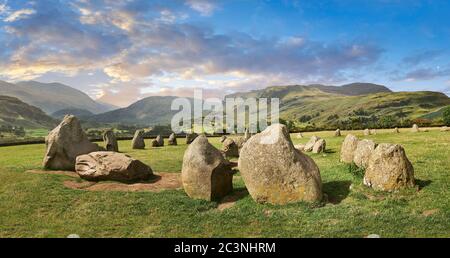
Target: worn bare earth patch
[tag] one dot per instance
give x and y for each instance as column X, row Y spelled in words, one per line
column 161, row 181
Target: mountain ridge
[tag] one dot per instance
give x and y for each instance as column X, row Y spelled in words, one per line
column 14, row 112
column 351, row 89
column 51, row 97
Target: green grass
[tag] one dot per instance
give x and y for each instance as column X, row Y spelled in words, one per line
column 36, row 133
column 38, row 205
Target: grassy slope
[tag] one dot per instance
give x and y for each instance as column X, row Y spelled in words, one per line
column 17, row 113
column 414, row 104
column 39, row 205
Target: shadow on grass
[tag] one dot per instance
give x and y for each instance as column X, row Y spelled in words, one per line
column 422, row 183
column 337, row 190
column 236, row 195
column 329, row 151
column 153, row 179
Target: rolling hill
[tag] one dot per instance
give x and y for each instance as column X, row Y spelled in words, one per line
column 148, row 111
column 52, row 97
column 14, row 112
column 333, row 106
column 317, row 105
column 78, row 112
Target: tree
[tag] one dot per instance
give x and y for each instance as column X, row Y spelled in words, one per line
column 446, row 115
column 387, row 121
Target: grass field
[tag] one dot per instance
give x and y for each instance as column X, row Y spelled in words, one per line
column 38, row 205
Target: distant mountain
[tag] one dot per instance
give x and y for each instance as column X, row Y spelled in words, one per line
column 318, row 105
column 80, row 113
column 353, row 89
column 148, row 111
column 331, row 106
column 14, row 112
column 52, row 97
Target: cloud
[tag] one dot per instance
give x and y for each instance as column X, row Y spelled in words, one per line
column 136, row 43
column 204, row 7
column 19, row 14
column 423, row 74
column 422, row 56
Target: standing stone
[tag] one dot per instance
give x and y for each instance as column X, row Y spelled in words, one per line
column 65, row 143
column 445, row 129
column 299, row 135
column 366, row 131
column 172, row 139
column 319, row 146
column 154, row 143
column 240, row 141
column 160, row 140
column 205, row 174
column 110, row 141
column 415, row 128
column 310, row 144
column 389, row 168
column 275, row 172
column 373, row 131
column 190, row 137
column 362, row 153
column 348, row 148
column 230, row 148
column 300, row 147
column 104, row 165
column 337, row 132
column 396, row 130
column 138, row 140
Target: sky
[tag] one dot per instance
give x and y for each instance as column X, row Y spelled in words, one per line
column 120, row 51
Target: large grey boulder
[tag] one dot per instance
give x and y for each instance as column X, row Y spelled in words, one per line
column 138, row 140
column 415, row 128
column 310, row 144
column 319, row 146
column 348, row 148
column 172, row 139
column 389, row 169
column 205, row 173
column 275, row 172
column 230, row 148
column 110, row 141
column 64, row 143
column 362, row 153
column 190, row 137
column 104, row 165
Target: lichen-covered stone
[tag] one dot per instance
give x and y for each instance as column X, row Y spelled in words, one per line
column 205, row 173
column 348, row 148
column 275, row 172
column 389, row 169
